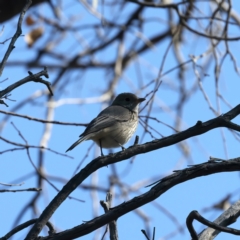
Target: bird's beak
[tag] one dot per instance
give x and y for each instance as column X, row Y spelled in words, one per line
column 141, row 100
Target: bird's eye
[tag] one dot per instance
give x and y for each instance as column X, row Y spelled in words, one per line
column 127, row 99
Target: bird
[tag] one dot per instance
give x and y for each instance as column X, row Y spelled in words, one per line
column 115, row 125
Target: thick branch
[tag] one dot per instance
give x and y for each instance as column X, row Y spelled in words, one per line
column 204, row 169
column 199, row 128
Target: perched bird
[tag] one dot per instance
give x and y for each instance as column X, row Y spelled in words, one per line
column 115, row 125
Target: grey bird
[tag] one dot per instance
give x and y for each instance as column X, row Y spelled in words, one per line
column 115, row 125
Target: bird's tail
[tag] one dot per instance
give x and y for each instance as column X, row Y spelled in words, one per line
column 76, row 143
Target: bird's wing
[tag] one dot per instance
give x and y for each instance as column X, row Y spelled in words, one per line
column 107, row 118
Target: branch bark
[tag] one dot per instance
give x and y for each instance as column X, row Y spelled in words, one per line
column 16, row 35
column 31, row 78
column 112, row 225
column 199, row 128
column 204, row 169
column 226, row 218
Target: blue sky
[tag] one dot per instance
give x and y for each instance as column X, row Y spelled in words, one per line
column 181, row 199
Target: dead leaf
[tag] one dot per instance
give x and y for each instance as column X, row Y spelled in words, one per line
column 33, row 36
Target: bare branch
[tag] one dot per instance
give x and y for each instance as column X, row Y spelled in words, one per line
column 15, row 37
column 195, row 171
column 227, row 218
column 42, row 120
column 113, row 224
column 199, row 128
column 25, row 225
column 31, row 78
column 26, row 146
column 11, row 184
column 145, row 234
column 21, row 190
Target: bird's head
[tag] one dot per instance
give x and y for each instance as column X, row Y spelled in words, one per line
column 128, row 100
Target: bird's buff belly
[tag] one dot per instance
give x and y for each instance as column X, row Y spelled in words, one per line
column 113, row 138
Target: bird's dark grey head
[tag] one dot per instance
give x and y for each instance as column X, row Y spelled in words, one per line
column 128, row 100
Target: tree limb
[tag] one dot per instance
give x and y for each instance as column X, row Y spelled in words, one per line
column 15, row 37
column 31, row 78
column 199, row 128
column 199, row 170
column 226, row 218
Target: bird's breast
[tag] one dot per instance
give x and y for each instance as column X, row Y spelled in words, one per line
column 118, row 134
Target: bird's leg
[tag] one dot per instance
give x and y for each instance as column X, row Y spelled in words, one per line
column 100, row 143
column 123, row 148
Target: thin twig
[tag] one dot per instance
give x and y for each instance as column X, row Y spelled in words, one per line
column 32, row 146
column 31, row 78
column 42, row 120
column 25, row 225
column 195, row 215
column 21, row 190
column 113, row 224
column 11, row 184
column 15, row 37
